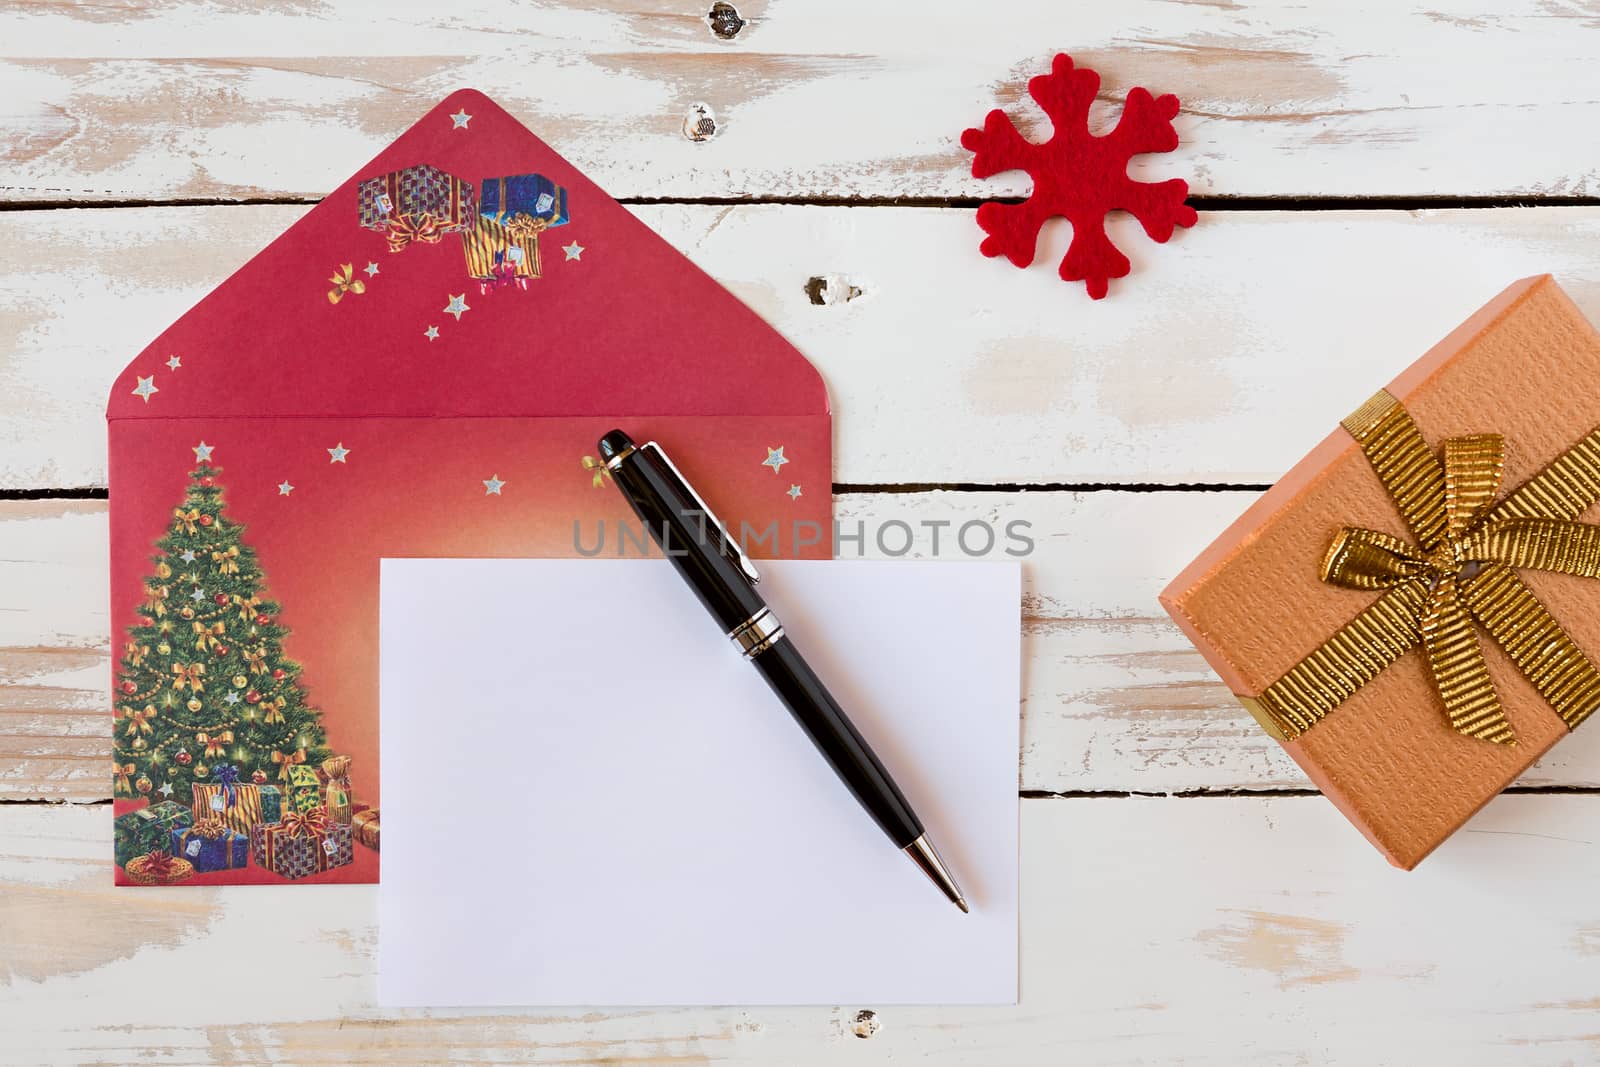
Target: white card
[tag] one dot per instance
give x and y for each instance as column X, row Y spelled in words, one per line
column 590, row 798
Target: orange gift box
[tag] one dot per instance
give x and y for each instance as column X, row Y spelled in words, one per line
column 1413, row 610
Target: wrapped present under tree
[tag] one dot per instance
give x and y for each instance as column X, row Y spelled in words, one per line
column 158, row 868
column 304, row 843
column 211, row 846
column 499, row 255
column 524, row 200
column 252, row 804
column 336, row 792
column 147, row 830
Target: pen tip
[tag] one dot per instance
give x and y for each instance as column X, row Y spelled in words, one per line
column 962, row 904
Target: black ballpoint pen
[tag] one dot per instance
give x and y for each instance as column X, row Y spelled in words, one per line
column 725, row 581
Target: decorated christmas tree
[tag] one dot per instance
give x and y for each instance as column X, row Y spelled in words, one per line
column 203, row 681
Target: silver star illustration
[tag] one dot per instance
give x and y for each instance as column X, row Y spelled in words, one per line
column 284, row 488
column 431, row 333
column 370, row 269
column 202, row 452
column 492, row 485
column 457, row 305
column 794, row 492
column 231, row 698
column 166, row 789
column 198, row 594
column 775, row 459
column 573, row 251
column 173, row 362
column 145, row 387
column 188, row 555
column 459, row 120
column 337, row 453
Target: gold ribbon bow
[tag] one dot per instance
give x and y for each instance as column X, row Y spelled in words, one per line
column 246, row 605
column 124, row 774
column 206, row 636
column 189, row 675
column 139, row 721
column 521, row 226
column 256, row 658
column 210, row 829
column 274, row 711
column 136, row 653
column 227, row 562
column 287, row 760
column 155, row 599
column 1460, row 574
column 186, row 520
column 403, row 229
column 344, row 281
column 600, row 470
column 215, row 744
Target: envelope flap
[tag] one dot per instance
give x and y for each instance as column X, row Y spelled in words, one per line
column 468, row 270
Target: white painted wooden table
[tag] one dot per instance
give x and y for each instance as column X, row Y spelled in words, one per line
column 1366, row 178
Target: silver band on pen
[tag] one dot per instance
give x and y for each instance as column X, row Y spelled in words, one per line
column 757, row 633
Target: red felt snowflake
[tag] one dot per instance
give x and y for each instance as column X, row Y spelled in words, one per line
column 1079, row 176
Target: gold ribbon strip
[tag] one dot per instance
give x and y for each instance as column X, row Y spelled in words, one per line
column 1459, row 574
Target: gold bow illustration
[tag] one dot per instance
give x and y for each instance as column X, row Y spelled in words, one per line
column 155, row 599
column 206, row 636
column 227, row 562
column 215, row 744
column 123, row 773
column 601, row 471
column 139, row 720
column 274, row 710
column 403, row 229
column 257, row 659
column 287, row 760
column 344, row 281
column 247, row 606
column 1460, row 574
column 189, row 675
column 186, row 520
column 136, row 653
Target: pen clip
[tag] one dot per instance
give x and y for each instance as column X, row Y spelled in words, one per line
column 689, row 491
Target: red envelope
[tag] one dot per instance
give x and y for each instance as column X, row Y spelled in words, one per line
column 419, row 367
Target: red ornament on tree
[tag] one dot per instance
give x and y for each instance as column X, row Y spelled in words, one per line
column 129, row 687
column 258, row 777
column 220, row 598
column 262, row 620
column 221, row 650
column 1079, row 176
column 207, row 481
column 252, row 697
column 183, row 757
column 279, row 674
column 204, row 520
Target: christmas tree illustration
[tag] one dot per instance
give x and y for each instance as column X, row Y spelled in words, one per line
column 203, row 681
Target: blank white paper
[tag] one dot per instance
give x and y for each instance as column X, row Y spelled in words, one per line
column 591, row 799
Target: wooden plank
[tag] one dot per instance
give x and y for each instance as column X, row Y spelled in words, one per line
column 1114, row 698
column 151, row 98
column 1223, row 359
column 1144, row 922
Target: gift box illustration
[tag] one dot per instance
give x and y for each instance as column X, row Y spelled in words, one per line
column 209, row 845
column 420, row 203
column 496, row 256
column 302, row 844
column 365, row 824
column 249, row 804
column 146, row 830
column 1414, row 610
column 158, row 868
column 272, row 445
